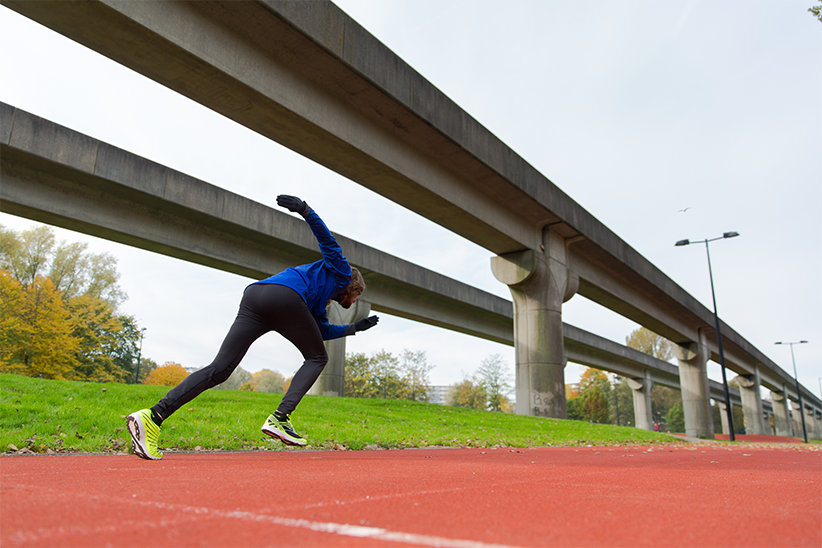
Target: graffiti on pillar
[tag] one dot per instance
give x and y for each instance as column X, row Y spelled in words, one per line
column 543, row 404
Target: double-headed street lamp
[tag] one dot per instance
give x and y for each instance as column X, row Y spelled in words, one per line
column 728, row 409
column 798, row 391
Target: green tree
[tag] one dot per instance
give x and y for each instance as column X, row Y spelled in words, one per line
column 816, row 11
column 107, row 348
column 592, row 395
column 573, row 409
column 389, row 377
column 73, row 270
column 147, row 365
column 623, row 399
column 675, row 418
column 267, row 381
column 495, row 377
column 469, row 394
column 414, row 369
column 360, row 376
column 594, row 405
column 236, row 380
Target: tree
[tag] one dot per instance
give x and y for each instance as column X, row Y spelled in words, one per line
column 360, row 378
column 107, row 343
column 595, row 406
column 468, row 394
column 624, row 404
column 42, row 344
column 662, row 400
column 68, row 327
column 816, row 11
column 573, row 409
column 73, row 270
column 648, row 342
column 12, row 330
column 495, row 377
column 675, row 418
column 267, row 381
column 414, row 369
column 592, row 390
column 236, row 380
column 389, row 379
column 593, row 378
column 168, row 374
column 384, row 376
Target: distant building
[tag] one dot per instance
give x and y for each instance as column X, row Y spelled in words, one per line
column 439, row 395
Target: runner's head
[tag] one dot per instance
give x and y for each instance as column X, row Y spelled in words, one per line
column 354, row 289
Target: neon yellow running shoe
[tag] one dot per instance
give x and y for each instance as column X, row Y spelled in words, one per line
column 144, row 435
column 282, row 430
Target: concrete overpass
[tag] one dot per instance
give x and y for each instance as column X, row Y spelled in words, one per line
column 55, row 175
column 310, row 77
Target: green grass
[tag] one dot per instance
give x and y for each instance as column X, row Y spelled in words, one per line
column 67, row 416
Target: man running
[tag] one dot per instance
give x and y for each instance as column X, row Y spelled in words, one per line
column 292, row 303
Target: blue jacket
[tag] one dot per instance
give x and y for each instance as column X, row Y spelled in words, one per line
column 318, row 282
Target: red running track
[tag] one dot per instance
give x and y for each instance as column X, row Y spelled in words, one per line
column 460, row 498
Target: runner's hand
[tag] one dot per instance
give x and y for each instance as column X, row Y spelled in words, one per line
column 293, row 204
column 366, row 323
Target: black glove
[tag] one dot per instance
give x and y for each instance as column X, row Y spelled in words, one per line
column 366, row 323
column 292, row 203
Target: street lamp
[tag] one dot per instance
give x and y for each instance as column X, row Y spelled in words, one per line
column 728, row 410
column 139, row 355
column 798, row 392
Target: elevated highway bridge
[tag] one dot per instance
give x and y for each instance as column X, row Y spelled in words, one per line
column 55, row 175
column 309, row 77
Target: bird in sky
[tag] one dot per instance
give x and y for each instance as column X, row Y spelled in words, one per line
column 683, row 210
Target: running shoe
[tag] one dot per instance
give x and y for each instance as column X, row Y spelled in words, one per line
column 144, row 435
column 282, row 430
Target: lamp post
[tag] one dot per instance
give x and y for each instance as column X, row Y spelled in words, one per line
column 728, row 409
column 139, row 356
column 798, row 391
column 616, row 397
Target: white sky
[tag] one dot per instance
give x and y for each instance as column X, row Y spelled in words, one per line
column 635, row 109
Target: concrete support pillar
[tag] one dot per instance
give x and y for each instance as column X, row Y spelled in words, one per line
column 641, row 390
column 818, row 416
column 781, row 413
column 751, row 403
column 723, row 415
column 696, row 393
column 332, row 379
column 810, row 422
column 796, row 420
column 539, row 282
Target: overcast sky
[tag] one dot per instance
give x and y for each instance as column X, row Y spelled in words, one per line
column 636, row 110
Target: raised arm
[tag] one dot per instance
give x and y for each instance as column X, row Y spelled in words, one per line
column 331, row 250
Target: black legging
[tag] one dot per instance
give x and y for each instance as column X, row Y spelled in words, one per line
column 264, row 308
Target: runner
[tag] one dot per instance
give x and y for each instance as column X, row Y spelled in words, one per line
column 292, row 303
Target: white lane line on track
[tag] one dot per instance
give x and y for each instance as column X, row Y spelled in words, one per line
column 343, row 529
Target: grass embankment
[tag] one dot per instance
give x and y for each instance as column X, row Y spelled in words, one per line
column 65, row 416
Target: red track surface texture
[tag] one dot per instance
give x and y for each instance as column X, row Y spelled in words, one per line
column 461, row 498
